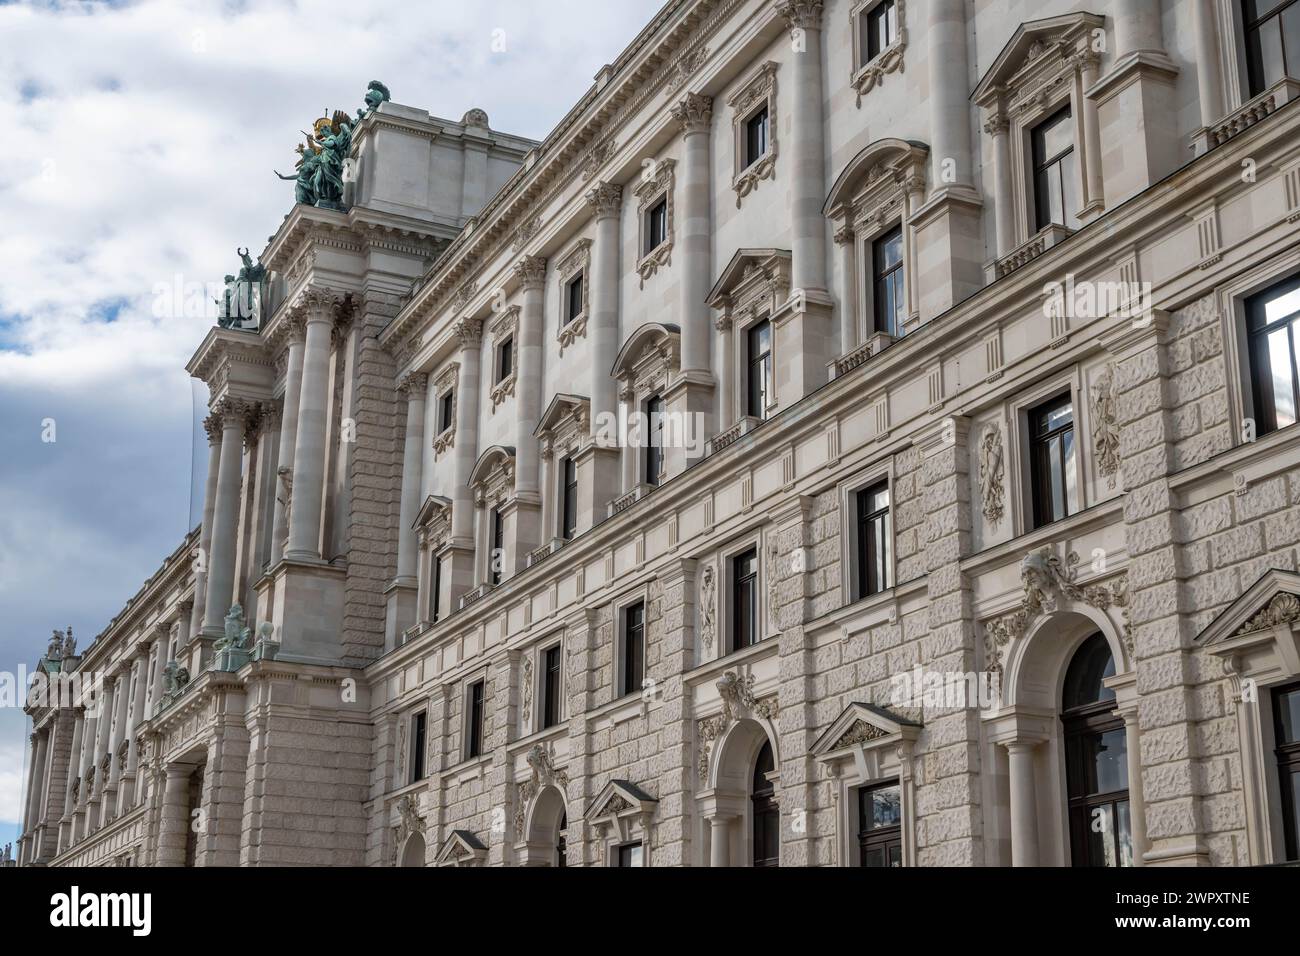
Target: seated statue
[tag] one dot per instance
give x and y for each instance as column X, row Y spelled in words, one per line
column 175, row 677
column 237, row 634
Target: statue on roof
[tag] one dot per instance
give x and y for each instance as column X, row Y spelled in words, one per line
column 240, row 304
column 55, row 651
column 376, row 93
column 69, row 644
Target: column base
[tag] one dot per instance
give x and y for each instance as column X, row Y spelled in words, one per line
column 949, row 251
column 806, row 340
column 690, row 403
column 1137, row 113
column 600, row 480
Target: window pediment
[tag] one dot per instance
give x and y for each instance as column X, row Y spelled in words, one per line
column 1039, row 56
column 649, row 359
column 433, row 521
column 755, row 281
column 620, row 798
column 869, row 725
column 462, row 848
column 873, row 184
column 565, row 423
column 493, row 477
column 1258, row 635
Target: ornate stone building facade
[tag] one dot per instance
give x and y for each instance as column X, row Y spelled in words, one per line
column 956, row 524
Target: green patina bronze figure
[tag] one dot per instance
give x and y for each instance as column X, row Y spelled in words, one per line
column 322, row 158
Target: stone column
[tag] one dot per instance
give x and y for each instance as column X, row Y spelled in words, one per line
column 1094, row 192
column 531, row 273
column 603, row 328
column 460, row 576
column 1003, row 204
column 808, row 145
column 1024, row 808
column 1137, row 27
column 846, row 247
column 726, row 365
column 89, row 733
column 1137, row 805
column 35, row 782
column 121, row 705
column 225, row 517
column 128, row 797
column 74, row 766
column 295, row 330
column 174, row 820
column 401, row 593
column 212, row 425
column 694, row 225
column 310, row 440
column 161, row 646
column 1209, row 79
column 950, row 82
column 720, row 840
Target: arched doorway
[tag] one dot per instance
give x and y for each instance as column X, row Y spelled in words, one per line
column 765, row 813
column 413, row 852
column 546, row 843
column 1096, row 760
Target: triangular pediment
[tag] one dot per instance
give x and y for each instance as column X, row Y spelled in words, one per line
column 1271, row 601
column 1031, row 40
column 461, row 847
column 620, row 796
column 433, row 506
column 862, row 723
column 561, row 405
column 742, row 264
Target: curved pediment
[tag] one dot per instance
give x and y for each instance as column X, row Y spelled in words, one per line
column 653, row 336
column 890, row 156
column 497, row 457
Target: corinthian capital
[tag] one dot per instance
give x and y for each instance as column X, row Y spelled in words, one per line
column 212, row 425
column 694, row 113
column 233, row 412
column 801, row 14
column 470, row 332
column 318, row 305
column 414, row 385
column 531, row 272
column 606, row 199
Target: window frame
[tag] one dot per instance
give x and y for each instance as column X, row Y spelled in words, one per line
column 496, row 544
column 753, row 94
column 734, row 583
column 546, row 696
column 1036, row 442
column 1288, row 841
column 652, row 454
column 863, row 537
column 767, row 361
column 629, row 847
column 474, row 743
column 1256, row 83
column 1039, row 166
column 884, row 836
column 446, row 411
column 574, row 264
column 895, row 275
column 568, row 497
column 626, row 687
column 1253, row 305
column 419, row 736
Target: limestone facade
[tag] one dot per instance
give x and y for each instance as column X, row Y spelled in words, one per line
column 487, row 627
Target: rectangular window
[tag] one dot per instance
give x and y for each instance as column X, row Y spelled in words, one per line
column 446, row 411
column 1051, row 462
column 629, row 854
column 880, row 831
column 497, row 554
column 569, row 496
column 656, row 225
column 573, row 299
column 551, row 661
column 756, row 137
column 419, row 724
column 505, row 359
column 654, row 452
column 879, row 27
column 1273, row 330
column 1056, row 172
column 874, row 534
column 887, row 281
column 474, row 719
column 633, row 649
column 759, row 369
column 1272, row 41
column 744, row 599
column 1286, row 729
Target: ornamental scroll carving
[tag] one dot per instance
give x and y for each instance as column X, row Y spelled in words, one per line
column 541, row 758
column 888, row 60
column 1284, row 608
column 991, row 474
column 1047, row 581
column 738, row 702
column 861, row 732
column 1105, row 424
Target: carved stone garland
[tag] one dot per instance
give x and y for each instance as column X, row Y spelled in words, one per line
column 991, row 474
column 1105, row 423
column 888, row 60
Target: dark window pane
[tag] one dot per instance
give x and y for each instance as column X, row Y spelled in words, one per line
column 1052, row 460
column 446, row 411
column 654, row 454
column 629, row 854
column 569, row 516
column 1287, row 705
column 474, row 745
column 496, row 558
column 744, row 571
column 1056, row 175
column 551, row 687
column 1084, row 680
column 756, row 137
column 505, row 359
column 656, row 225
column 574, row 289
column 418, row 745
column 760, row 369
column 633, row 648
column 887, row 281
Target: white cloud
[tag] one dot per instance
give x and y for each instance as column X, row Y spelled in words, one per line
column 140, row 143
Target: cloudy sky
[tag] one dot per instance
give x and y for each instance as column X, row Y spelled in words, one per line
column 142, row 139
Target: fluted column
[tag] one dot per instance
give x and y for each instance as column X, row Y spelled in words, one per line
column 808, row 146
column 603, row 327
column 695, row 115
column 309, row 443
column 296, row 331
column 531, row 273
column 1024, row 808
column 212, row 425
column 225, row 516
column 997, row 126
column 950, row 146
column 470, row 333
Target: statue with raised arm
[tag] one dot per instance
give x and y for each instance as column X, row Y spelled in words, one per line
column 304, row 179
column 55, row 651
column 334, row 137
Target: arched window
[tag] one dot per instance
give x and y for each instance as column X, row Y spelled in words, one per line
column 766, row 813
column 561, row 841
column 1096, row 761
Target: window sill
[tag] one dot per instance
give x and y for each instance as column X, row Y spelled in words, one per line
column 747, row 180
column 661, row 256
column 872, row 73
column 446, row 439
column 571, row 331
